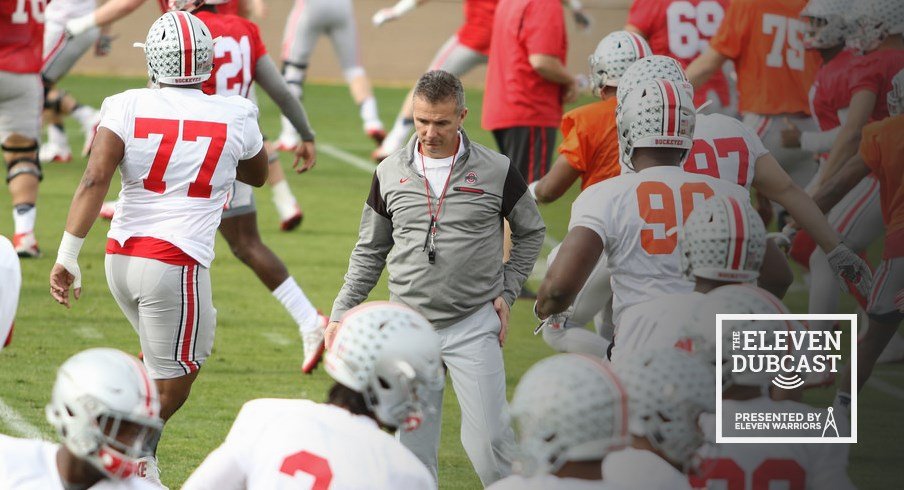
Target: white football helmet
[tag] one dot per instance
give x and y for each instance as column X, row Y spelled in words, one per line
column 192, row 5
column 723, row 239
column 568, row 407
column 657, row 114
column 97, row 392
column 826, row 27
column 656, row 67
column 179, row 50
column 871, row 21
column 668, row 390
column 390, row 354
column 896, row 95
column 612, row 57
column 699, row 335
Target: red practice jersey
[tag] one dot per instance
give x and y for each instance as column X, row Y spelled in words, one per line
column 21, row 35
column 230, row 7
column 235, row 53
column 477, row 30
column 681, row 29
column 873, row 72
column 831, row 91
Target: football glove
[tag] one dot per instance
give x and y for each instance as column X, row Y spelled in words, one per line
column 848, row 266
column 556, row 321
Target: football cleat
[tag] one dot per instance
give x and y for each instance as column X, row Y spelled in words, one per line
column 51, row 152
column 107, row 210
column 376, row 134
column 313, row 345
column 293, row 221
column 288, row 139
column 26, row 245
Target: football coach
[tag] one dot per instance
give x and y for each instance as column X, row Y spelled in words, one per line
column 434, row 218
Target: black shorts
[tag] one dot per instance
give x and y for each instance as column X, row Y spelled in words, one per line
column 530, row 148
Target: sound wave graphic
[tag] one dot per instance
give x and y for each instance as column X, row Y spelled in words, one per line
column 788, row 382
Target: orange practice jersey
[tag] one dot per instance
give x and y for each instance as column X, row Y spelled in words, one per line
column 590, row 141
column 882, row 148
column 765, row 40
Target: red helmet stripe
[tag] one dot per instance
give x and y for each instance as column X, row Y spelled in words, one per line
column 671, row 98
column 639, row 46
column 186, row 34
column 737, row 237
column 145, row 387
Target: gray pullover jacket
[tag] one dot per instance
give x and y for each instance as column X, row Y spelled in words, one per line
column 469, row 272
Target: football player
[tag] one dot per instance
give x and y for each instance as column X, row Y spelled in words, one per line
column 234, row 74
column 178, row 151
column 723, row 242
column 589, row 151
column 764, row 39
column 877, row 31
column 384, row 360
column 11, row 278
column 882, row 153
column 681, row 29
column 570, row 411
column 668, row 390
column 61, row 52
column 106, row 411
column 857, row 218
column 725, row 148
column 21, row 98
column 634, row 217
column 309, row 20
column 804, row 466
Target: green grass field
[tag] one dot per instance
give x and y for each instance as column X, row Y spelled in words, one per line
column 257, row 350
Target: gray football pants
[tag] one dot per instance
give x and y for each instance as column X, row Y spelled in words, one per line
column 473, row 358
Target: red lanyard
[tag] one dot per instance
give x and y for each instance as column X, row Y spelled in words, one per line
column 434, row 218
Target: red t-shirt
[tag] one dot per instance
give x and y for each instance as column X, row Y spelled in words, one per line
column 681, row 29
column 235, row 55
column 477, row 30
column 831, row 90
column 874, row 72
column 21, row 36
column 516, row 95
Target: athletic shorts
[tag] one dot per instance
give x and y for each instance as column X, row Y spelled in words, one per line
column 888, row 282
column 21, row 103
column 456, row 58
column 240, row 200
column 62, row 51
column 530, row 148
column 310, row 19
column 171, row 309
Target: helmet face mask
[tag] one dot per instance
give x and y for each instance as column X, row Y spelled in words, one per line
column 391, row 355
column 106, row 410
column 825, row 24
column 896, row 95
column 723, row 240
column 567, row 407
column 872, row 21
column 613, row 56
column 179, row 50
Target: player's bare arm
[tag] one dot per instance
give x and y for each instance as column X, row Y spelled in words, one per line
column 705, row 66
column 268, row 77
column 848, row 140
column 554, row 184
column 579, row 253
column 552, row 70
column 840, row 183
column 253, row 171
column 106, row 153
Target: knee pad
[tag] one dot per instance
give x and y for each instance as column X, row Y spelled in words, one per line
column 24, row 166
column 353, row 73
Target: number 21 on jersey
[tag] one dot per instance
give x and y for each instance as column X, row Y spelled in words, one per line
column 657, row 204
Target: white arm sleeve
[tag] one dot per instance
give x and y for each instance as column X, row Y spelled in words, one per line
column 819, row 141
column 220, row 470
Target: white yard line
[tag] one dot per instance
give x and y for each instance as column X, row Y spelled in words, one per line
column 89, row 333
column 17, row 424
column 277, row 338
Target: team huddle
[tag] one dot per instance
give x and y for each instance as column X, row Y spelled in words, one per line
column 716, row 120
